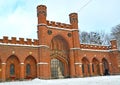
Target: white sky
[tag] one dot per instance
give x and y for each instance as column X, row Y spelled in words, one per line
column 18, row 18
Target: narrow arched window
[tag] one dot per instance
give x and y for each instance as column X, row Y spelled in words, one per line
column 82, row 68
column 88, row 68
column 93, row 67
column 28, row 69
column 12, row 69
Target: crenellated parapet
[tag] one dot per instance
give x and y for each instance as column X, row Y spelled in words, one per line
column 22, row 41
column 94, row 47
column 113, row 46
column 42, row 19
column 58, row 24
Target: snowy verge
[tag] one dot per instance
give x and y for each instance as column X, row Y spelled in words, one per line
column 100, row 80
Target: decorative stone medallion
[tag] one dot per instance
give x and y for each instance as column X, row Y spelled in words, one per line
column 49, row 32
column 69, row 34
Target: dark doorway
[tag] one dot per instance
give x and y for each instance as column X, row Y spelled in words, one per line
column 105, row 67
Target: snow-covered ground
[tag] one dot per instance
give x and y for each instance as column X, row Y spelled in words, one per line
column 100, row 80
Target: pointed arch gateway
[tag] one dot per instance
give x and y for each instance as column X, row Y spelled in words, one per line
column 12, row 67
column 57, row 68
column 59, row 57
column 30, row 67
column 95, row 67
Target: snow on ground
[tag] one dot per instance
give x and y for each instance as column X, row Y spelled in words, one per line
column 100, row 80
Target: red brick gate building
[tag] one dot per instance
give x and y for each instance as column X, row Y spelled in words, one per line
column 57, row 53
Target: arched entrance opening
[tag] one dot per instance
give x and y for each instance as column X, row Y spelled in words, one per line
column 85, row 67
column 95, row 67
column 59, row 57
column 0, row 69
column 105, row 66
column 13, row 68
column 30, row 68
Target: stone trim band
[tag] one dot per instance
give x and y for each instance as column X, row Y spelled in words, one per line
column 42, row 63
column 74, row 48
column 43, row 46
column 78, row 63
column 20, row 45
column 3, row 63
column 42, row 24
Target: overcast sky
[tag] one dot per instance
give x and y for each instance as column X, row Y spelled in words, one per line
column 18, row 18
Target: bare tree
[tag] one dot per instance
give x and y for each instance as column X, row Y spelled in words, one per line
column 99, row 38
column 84, row 37
column 95, row 38
column 116, row 34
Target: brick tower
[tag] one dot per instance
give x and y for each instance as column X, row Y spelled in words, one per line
column 74, row 50
column 43, row 50
column 59, row 45
column 53, row 38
